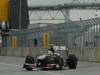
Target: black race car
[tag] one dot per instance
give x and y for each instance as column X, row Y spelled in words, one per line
column 50, row 61
column 56, row 61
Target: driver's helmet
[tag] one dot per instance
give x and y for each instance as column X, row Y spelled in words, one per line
column 51, row 51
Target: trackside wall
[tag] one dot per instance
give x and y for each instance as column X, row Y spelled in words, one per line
column 83, row 53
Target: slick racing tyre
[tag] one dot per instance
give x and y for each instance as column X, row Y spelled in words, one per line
column 72, row 61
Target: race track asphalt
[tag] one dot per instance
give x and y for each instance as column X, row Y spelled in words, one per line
column 13, row 66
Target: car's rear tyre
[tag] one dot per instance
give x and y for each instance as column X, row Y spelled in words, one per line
column 72, row 61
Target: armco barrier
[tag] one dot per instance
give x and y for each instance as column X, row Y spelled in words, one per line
column 83, row 53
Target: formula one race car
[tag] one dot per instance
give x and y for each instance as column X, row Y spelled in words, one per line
column 50, row 61
column 56, row 61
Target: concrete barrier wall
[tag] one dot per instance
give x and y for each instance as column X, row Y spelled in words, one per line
column 83, row 53
column 22, row 51
column 86, row 53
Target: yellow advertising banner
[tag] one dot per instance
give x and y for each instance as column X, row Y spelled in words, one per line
column 46, row 40
column 14, row 42
column 3, row 10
